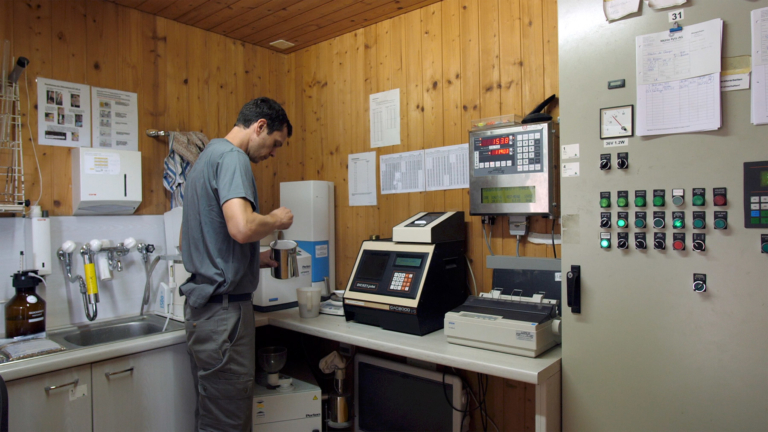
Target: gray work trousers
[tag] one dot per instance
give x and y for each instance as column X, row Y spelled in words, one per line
column 222, row 348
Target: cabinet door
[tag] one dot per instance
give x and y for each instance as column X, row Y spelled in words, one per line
column 149, row 391
column 56, row 401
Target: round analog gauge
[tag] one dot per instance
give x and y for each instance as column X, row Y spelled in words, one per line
column 617, row 122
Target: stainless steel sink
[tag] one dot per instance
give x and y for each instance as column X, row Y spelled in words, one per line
column 112, row 331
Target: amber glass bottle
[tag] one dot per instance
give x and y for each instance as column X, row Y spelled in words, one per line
column 25, row 312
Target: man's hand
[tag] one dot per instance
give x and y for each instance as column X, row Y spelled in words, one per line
column 265, row 259
column 283, row 218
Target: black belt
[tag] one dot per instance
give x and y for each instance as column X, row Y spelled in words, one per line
column 219, row 298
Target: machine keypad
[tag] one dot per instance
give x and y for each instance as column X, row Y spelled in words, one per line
column 401, row 281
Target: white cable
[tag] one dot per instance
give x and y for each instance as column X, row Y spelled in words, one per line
column 39, row 277
column 487, row 240
column 472, row 273
column 37, row 161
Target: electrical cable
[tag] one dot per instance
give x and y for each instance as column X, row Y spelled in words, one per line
column 554, row 249
column 37, row 161
column 517, row 248
column 39, row 277
column 474, row 282
column 486, row 241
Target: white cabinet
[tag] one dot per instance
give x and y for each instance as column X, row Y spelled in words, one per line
column 148, row 391
column 47, row 402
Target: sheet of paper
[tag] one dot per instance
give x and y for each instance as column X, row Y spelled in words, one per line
column 64, row 113
column 385, row 118
column 661, row 4
column 692, row 52
column 447, row 167
column 115, row 119
column 688, row 105
column 759, row 18
column 615, row 9
column 402, row 172
column 362, row 179
column 571, row 169
column 570, row 151
column 760, row 95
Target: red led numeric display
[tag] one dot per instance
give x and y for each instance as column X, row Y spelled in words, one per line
column 494, row 141
column 499, row 152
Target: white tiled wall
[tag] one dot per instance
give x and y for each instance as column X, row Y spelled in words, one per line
column 64, row 305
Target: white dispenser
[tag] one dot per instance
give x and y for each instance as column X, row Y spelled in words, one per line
column 41, row 241
column 105, row 181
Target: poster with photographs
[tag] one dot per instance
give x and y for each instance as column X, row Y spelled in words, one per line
column 115, row 119
column 64, row 113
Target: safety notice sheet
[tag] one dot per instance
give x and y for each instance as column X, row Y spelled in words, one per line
column 669, row 56
column 447, row 167
column 362, row 179
column 385, row 118
column 64, row 114
column 402, row 172
column 759, row 18
column 115, row 119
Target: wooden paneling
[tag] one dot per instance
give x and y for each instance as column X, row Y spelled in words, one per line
column 185, row 78
column 452, row 61
column 301, row 22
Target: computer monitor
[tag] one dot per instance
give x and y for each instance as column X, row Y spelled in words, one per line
column 392, row 396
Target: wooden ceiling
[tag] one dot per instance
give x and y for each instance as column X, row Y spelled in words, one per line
column 259, row 22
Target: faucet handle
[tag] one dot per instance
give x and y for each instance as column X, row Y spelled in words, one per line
column 129, row 242
column 68, row 246
column 95, row 245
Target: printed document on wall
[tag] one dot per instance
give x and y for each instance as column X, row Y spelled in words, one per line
column 447, row 167
column 693, row 52
column 616, row 9
column 689, row 105
column 385, row 118
column 760, row 95
column 661, row 4
column 402, row 172
column 115, row 119
column 362, row 179
column 759, row 19
column 64, row 113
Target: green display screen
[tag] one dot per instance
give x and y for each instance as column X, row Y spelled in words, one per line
column 509, row 195
column 408, row 262
column 763, row 178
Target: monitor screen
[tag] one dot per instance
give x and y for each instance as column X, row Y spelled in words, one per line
column 392, row 400
column 373, row 265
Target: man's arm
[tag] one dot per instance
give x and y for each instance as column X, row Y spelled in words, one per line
column 247, row 226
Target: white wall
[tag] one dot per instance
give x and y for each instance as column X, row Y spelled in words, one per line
column 64, row 305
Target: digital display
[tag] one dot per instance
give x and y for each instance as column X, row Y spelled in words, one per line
column 763, row 178
column 509, row 195
column 407, row 262
column 494, row 141
column 499, row 152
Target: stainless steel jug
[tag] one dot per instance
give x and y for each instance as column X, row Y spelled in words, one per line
column 284, row 252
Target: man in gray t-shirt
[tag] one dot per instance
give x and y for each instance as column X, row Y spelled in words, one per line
column 220, row 233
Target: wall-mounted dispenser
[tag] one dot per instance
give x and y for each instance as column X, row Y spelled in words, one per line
column 105, row 181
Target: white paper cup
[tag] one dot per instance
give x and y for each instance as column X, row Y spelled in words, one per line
column 309, row 301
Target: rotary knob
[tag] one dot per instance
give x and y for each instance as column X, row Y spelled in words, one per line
column 622, row 244
column 605, row 223
column 622, row 164
column 699, row 246
column 605, row 164
column 640, row 244
column 659, row 244
column 699, row 287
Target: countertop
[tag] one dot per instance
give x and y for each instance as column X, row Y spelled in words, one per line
column 432, row 348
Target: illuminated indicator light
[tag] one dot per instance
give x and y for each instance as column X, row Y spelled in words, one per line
column 639, row 223
column 678, row 223
column 605, row 202
column 698, row 200
column 622, row 202
column 621, row 223
column 640, row 202
column 605, row 243
column 658, row 201
column 698, row 223
column 678, row 245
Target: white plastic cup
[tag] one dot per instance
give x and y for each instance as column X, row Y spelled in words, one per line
column 309, row 301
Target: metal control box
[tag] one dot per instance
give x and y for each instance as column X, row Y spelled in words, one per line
column 511, row 170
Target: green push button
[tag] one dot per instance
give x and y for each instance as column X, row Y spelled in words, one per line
column 605, row 243
column 640, row 202
column 721, row 223
column 698, row 200
column 678, row 223
column 658, row 201
column 639, row 223
column 605, row 202
column 658, row 223
column 755, row 221
column 764, row 213
column 765, row 247
column 764, row 221
column 698, row 223
column 621, row 223
column 622, row 202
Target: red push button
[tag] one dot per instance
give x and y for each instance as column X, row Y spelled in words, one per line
column 678, row 245
column 719, row 200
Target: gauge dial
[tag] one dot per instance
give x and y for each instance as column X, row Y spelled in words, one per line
column 617, row 122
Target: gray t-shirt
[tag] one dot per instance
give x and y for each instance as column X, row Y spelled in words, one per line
column 218, row 263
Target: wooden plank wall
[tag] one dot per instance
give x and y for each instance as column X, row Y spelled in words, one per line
column 186, row 79
column 453, row 61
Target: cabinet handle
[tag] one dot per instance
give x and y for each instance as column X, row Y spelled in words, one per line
column 109, row 374
column 73, row 383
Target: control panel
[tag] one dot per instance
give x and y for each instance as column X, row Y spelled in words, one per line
column 756, row 194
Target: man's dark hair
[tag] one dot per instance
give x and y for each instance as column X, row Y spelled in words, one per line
column 267, row 109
